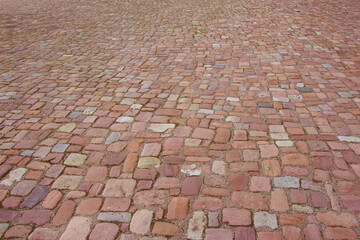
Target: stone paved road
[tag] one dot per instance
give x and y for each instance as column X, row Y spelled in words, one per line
column 163, row 119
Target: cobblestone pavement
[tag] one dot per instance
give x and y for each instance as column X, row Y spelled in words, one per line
column 164, row 119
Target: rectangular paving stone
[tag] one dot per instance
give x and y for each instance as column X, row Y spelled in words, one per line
column 287, row 182
column 161, row 127
column 305, row 89
column 206, row 111
column 265, row 105
column 232, row 99
column 284, row 143
column 345, row 94
column 114, row 216
column 67, row 182
column 348, row 139
column 125, row 119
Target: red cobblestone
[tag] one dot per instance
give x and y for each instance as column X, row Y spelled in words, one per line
column 89, row 206
column 179, row 119
column 64, row 213
column 236, row 217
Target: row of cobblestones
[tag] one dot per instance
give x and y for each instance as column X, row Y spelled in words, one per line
column 187, row 119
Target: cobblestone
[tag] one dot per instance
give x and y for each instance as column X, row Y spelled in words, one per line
column 196, row 225
column 140, row 223
column 114, row 217
column 287, row 182
column 265, row 219
column 179, row 119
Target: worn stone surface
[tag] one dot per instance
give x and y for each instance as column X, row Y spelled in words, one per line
column 18, row 231
column 67, row 127
column 78, row 228
column 52, row 199
column 149, row 162
column 89, row 206
column 116, row 204
column 207, row 203
column 113, row 137
column 287, row 182
column 35, row 216
column 338, row 219
column 64, row 213
column 4, row 169
column 137, row 114
column 75, row 159
column 196, row 225
column 140, row 223
column 265, row 219
column 151, row 197
column 67, row 182
column 119, row 188
column 35, row 197
column 236, row 217
column 215, row 233
column 191, row 186
column 165, row 229
column 249, row 200
column 3, row 228
column 23, row 188
column 44, row 233
column 114, row 217
column 9, row 215
column 160, row 128
column 178, row 208
column 106, row 231
column 245, row 233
